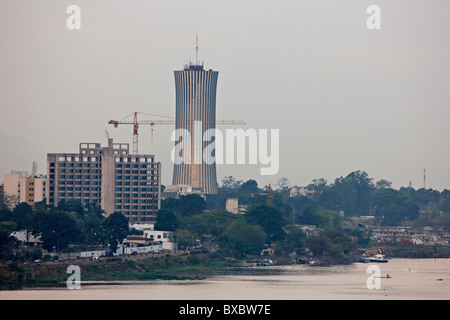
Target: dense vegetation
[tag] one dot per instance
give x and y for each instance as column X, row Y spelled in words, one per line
column 354, row 195
column 263, row 225
column 266, row 223
column 68, row 224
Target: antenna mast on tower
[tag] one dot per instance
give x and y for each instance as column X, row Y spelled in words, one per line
column 196, row 49
column 424, row 178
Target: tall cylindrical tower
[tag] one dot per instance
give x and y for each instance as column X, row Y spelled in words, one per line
column 196, row 112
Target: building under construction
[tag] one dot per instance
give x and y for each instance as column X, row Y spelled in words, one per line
column 109, row 176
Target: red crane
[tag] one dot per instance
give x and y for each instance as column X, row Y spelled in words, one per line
column 136, row 123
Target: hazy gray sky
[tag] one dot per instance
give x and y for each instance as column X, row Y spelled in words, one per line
column 344, row 97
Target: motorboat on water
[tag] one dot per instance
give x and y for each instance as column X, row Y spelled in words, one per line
column 378, row 258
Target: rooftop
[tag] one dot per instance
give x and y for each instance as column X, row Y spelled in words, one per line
column 193, row 67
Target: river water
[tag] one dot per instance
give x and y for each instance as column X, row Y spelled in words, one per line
column 409, row 279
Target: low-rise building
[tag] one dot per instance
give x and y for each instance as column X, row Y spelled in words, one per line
column 301, row 191
column 363, row 222
column 395, row 235
column 427, row 237
column 174, row 191
column 20, row 186
column 391, row 234
column 232, row 205
column 167, row 238
column 25, row 237
column 310, row 230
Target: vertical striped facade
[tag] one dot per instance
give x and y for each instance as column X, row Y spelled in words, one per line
column 196, row 101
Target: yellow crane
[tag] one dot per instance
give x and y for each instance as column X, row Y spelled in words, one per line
column 136, row 123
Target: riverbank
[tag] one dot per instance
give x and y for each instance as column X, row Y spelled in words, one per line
column 183, row 267
column 412, row 279
column 195, row 266
column 180, row 267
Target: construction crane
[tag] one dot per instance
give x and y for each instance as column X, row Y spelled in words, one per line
column 136, row 123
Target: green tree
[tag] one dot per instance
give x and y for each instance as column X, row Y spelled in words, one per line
column 185, row 239
column 383, row 184
column 94, row 208
column 6, row 200
column 187, row 205
column 270, row 219
column 308, row 216
column 318, row 185
column 329, row 219
column 6, row 215
column 442, row 221
column 330, row 243
column 213, row 223
column 41, row 205
column 57, row 229
column 231, row 183
column 247, row 190
column 298, row 204
column 92, row 228
column 319, row 245
column 6, row 241
column 342, row 244
column 116, row 229
column 393, row 214
column 166, row 220
column 294, row 241
column 355, row 192
column 22, row 215
column 71, row 205
column 445, row 201
column 393, row 206
column 241, row 238
column 329, row 198
column 283, row 184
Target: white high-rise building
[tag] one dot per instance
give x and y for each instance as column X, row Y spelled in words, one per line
column 196, row 103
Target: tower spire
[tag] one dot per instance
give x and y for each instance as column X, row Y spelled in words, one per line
column 424, row 178
column 196, row 49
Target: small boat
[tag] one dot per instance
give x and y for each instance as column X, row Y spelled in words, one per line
column 364, row 258
column 302, row 261
column 266, row 263
column 378, row 258
column 387, row 277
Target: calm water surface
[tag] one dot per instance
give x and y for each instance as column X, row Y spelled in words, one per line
column 410, row 279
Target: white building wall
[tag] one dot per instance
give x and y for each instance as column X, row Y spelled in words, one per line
column 232, row 205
